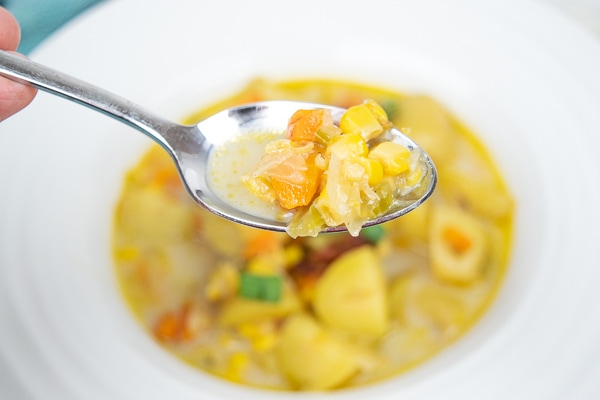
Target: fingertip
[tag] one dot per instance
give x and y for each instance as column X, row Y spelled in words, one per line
column 14, row 97
column 10, row 31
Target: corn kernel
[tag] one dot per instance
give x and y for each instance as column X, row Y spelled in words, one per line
column 265, row 342
column 262, row 266
column 222, row 283
column 237, row 364
column 360, row 120
column 249, row 330
column 262, row 337
column 373, row 168
column 379, row 113
column 292, row 255
column 127, row 254
column 393, row 157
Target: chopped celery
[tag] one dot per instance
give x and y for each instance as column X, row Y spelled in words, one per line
column 373, row 233
column 391, row 109
column 260, row 287
column 326, row 133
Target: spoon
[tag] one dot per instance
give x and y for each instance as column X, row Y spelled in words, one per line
column 191, row 146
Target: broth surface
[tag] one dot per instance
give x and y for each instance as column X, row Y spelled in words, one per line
column 378, row 304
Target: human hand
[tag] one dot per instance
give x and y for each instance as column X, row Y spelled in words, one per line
column 13, row 96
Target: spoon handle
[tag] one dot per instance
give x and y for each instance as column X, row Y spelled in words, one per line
column 21, row 69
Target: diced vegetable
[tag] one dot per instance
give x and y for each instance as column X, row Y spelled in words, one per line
column 364, row 119
column 351, row 295
column 393, row 157
column 304, row 124
column 373, row 233
column 180, row 324
column 292, row 192
column 327, row 134
column 222, row 283
column 311, row 357
column 373, row 169
column 262, row 242
column 260, row 287
column 348, row 145
column 239, row 310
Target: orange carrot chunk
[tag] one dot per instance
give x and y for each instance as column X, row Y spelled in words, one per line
column 262, row 242
column 303, row 125
column 459, row 242
column 295, row 181
column 169, row 327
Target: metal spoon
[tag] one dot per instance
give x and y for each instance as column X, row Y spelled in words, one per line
column 191, row 146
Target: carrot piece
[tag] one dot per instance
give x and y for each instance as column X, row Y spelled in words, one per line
column 300, row 185
column 260, row 243
column 457, row 240
column 167, row 177
column 173, row 325
column 303, row 125
column 169, row 327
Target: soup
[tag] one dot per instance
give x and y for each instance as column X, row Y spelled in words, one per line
column 317, row 313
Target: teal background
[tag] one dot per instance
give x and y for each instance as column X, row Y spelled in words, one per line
column 39, row 18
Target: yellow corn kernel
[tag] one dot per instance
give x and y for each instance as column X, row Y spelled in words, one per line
column 348, row 145
column 237, row 364
column 222, row 283
column 127, row 254
column 393, row 157
column 262, row 337
column 249, row 330
column 265, row 342
column 262, row 266
column 379, row 113
column 361, row 120
column 292, row 255
column 374, row 170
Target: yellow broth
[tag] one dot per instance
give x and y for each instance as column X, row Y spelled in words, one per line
column 377, row 306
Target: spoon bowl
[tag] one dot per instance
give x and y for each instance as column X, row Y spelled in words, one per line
column 191, row 146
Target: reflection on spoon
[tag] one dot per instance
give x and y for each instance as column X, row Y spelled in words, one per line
column 191, row 146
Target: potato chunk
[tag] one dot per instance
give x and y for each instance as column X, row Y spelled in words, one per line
column 351, row 294
column 311, row 357
column 239, row 310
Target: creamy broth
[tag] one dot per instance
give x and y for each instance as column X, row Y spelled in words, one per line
column 259, row 308
column 234, row 159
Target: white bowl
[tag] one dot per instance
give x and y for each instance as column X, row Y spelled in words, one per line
column 519, row 74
